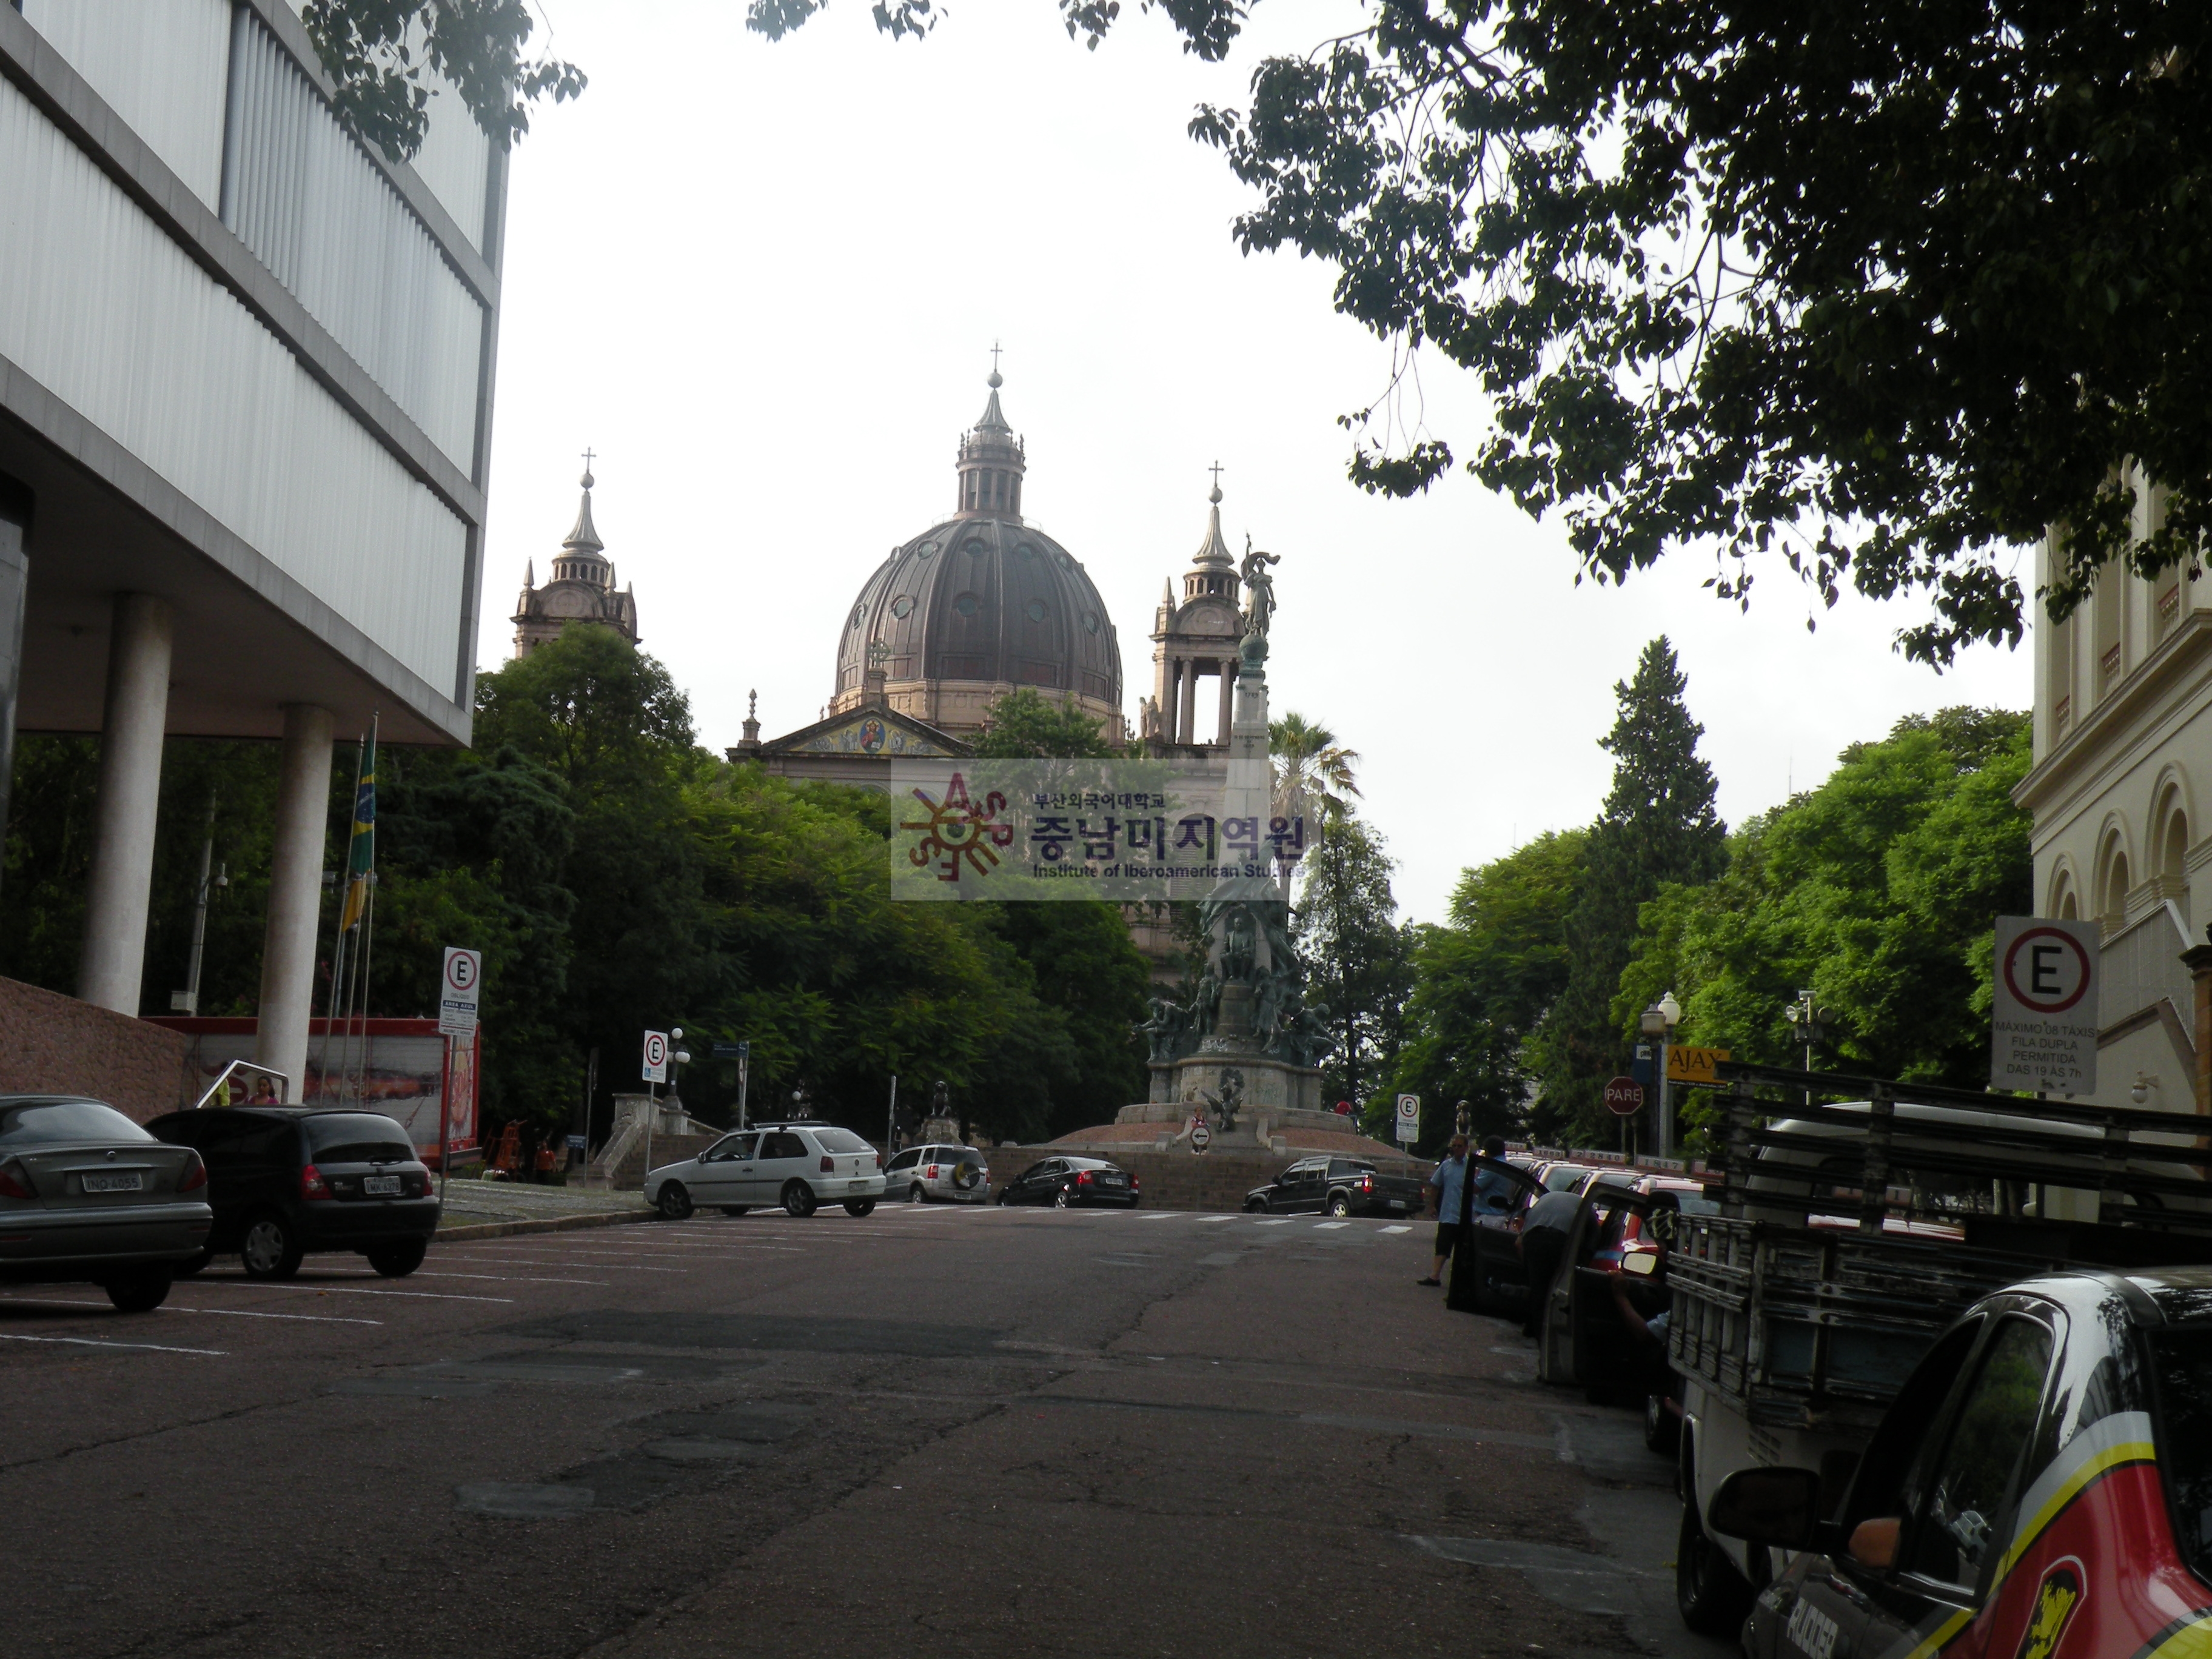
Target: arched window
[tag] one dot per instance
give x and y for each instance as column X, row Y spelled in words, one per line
column 2065, row 904
column 2114, row 896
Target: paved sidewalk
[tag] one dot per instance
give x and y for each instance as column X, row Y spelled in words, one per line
column 491, row 1209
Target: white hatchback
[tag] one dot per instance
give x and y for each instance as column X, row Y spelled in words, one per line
column 796, row 1166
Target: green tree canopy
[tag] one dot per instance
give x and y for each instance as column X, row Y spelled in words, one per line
column 1357, row 959
column 1658, row 826
column 1024, row 725
column 1311, row 767
column 1483, row 982
column 1879, row 890
column 1873, row 287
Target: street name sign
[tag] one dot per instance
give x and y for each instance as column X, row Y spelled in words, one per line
column 459, row 993
column 2043, row 1017
column 1409, row 1118
column 1624, row 1096
column 655, row 1069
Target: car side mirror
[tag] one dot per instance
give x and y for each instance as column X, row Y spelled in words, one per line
column 1641, row 1261
column 1775, row 1506
column 1874, row 1543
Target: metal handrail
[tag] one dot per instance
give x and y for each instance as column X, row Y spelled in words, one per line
column 283, row 1079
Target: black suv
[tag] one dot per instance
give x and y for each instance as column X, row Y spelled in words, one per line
column 286, row 1180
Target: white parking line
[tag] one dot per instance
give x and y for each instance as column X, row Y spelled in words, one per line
column 229, row 1313
column 1397, row 1230
column 349, row 1290
column 1273, row 1221
column 87, row 1342
column 596, row 1266
column 499, row 1278
column 1217, row 1217
column 1323, row 1226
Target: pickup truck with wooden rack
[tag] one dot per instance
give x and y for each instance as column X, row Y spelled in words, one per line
column 1851, row 1234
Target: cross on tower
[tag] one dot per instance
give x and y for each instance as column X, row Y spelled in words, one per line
column 994, row 356
column 1216, row 470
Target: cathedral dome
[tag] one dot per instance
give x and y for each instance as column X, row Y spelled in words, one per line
column 980, row 604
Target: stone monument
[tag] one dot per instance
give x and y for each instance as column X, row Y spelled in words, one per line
column 1243, row 1043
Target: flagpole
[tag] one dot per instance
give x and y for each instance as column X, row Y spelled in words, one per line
column 338, row 944
column 367, row 949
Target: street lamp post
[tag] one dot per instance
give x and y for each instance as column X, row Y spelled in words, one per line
column 1809, row 1027
column 1658, row 1024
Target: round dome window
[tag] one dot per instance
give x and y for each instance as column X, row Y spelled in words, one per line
column 925, row 549
column 1026, row 551
column 860, row 615
column 1036, row 609
column 903, row 607
column 976, row 546
column 1090, row 621
column 965, row 605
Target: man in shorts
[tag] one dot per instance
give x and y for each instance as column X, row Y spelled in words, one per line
column 1443, row 1190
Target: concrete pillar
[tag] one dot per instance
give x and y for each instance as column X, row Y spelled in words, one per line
column 114, row 961
column 1187, row 704
column 295, row 895
column 1228, row 697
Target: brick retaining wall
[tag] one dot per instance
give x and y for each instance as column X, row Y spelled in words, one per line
column 53, row 1044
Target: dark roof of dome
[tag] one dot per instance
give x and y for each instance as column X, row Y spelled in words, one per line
column 984, row 598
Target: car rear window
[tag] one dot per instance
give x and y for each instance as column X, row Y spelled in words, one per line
column 357, row 1137
column 2183, row 1360
column 841, row 1141
column 65, row 1120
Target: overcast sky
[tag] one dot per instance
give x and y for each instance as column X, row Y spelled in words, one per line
column 762, row 283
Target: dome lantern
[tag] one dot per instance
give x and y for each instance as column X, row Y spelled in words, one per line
column 991, row 462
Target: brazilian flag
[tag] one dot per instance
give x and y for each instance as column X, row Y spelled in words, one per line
column 360, row 857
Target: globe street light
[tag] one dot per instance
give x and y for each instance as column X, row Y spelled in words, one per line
column 1659, row 1022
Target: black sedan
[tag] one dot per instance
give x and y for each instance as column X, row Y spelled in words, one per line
column 1066, row 1182
column 87, row 1195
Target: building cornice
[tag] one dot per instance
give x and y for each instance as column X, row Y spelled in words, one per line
column 2182, row 661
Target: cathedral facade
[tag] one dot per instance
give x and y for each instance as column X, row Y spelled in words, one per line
column 582, row 589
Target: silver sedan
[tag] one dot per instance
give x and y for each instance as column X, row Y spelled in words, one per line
column 87, row 1195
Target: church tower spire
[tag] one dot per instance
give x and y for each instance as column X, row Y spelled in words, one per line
column 992, row 461
column 583, row 556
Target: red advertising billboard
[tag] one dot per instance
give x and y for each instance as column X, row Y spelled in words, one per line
column 395, row 1067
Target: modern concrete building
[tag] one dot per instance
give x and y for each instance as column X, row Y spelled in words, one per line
column 245, row 394
column 2122, row 753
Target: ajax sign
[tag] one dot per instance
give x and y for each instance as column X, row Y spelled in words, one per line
column 2042, row 1014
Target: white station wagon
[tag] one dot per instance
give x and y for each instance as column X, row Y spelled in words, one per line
column 796, row 1166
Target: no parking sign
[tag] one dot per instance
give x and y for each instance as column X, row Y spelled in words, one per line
column 2043, row 1017
column 655, row 1069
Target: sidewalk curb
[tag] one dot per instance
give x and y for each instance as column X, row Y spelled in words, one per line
column 561, row 1223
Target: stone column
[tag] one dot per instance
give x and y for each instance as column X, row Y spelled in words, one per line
column 1187, row 701
column 1228, row 700
column 114, row 961
column 2198, row 960
column 295, row 895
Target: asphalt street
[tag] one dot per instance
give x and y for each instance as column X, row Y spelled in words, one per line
column 979, row 1431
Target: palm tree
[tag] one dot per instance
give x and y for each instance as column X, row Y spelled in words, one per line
column 1311, row 768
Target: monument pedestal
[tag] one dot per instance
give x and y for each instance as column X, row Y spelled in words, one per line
column 1270, row 1094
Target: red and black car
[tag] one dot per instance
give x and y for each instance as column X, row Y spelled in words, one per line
column 2040, row 1489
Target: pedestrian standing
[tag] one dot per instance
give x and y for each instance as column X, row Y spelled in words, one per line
column 1543, row 1241
column 545, row 1161
column 1444, row 1192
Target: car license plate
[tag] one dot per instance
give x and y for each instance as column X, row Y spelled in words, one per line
column 114, row 1183
column 1397, row 1203
column 380, row 1185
